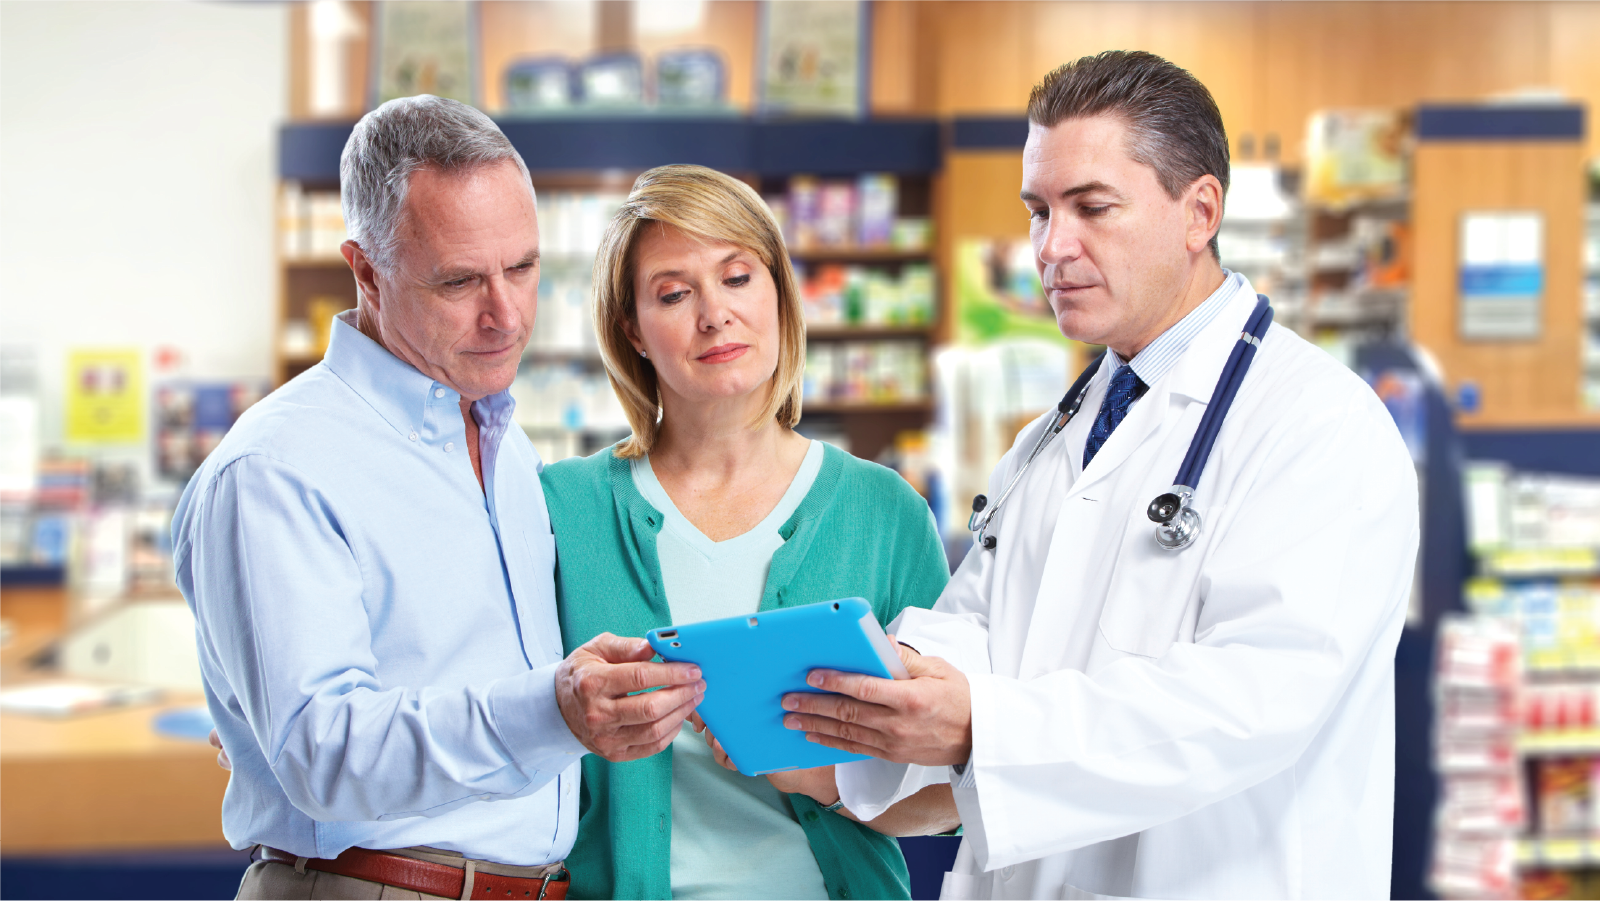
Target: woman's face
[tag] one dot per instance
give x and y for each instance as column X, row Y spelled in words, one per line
column 706, row 315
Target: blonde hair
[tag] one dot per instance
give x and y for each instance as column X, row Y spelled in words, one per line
column 710, row 206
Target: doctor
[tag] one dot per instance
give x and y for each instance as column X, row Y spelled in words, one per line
column 1120, row 719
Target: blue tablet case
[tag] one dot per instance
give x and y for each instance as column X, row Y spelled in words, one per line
column 750, row 663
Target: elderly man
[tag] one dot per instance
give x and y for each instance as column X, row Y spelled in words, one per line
column 369, row 560
column 1199, row 707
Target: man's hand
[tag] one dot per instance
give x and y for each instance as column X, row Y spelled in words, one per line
column 215, row 741
column 816, row 783
column 598, row 690
column 927, row 719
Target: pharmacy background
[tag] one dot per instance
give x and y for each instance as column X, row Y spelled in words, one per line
column 1414, row 185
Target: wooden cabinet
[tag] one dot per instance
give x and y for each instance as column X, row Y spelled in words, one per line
column 1521, row 383
column 1269, row 65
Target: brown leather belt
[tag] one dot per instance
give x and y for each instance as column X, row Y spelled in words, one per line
column 425, row 876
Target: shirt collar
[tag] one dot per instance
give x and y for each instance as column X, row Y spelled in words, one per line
column 397, row 390
column 1158, row 357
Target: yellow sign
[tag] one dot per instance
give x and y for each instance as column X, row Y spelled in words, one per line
column 105, row 396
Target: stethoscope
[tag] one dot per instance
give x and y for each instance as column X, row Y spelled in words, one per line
column 1177, row 524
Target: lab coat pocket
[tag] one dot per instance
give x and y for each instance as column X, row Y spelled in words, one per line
column 1154, row 593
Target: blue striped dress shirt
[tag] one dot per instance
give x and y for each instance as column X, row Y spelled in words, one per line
column 1159, row 356
column 377, row 634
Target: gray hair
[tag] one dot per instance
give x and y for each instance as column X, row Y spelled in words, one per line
column 1173, row 123
column 394, row 141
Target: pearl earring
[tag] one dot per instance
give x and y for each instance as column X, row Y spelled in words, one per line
column 643, row 354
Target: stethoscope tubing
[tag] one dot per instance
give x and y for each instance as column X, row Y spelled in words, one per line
column 1228, row 385
column 1066, row 409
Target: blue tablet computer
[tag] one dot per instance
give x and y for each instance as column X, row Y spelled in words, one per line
column 750, row 663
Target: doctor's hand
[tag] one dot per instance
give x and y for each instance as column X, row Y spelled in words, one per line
column 816, row 783
column 927, row 719
column 601, row 689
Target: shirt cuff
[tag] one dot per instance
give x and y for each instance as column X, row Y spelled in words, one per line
column 964, row 775
column 530, row 722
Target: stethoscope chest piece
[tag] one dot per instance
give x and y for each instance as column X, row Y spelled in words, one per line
column 1177, row 525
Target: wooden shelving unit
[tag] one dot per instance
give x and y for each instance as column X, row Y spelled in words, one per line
column 605, row 152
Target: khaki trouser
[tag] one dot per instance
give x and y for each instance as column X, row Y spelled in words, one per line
column 270, row 879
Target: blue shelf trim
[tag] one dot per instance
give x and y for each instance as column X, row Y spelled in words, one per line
column 989, row 133
column 629, row 143
column 1484, row 122
column 146, row 874
column 1567, row 451
column 310, row 151
column 843, row 147
column 33, row 575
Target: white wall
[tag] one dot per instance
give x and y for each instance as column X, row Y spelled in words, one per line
column 137, row 180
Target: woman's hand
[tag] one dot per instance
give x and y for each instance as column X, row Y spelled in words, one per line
column 816, row 783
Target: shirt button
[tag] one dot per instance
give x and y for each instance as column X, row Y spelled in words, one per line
column 412, row 436
column 450, row 446
column 439, row 392
column 1007, row 872
column 484, row 797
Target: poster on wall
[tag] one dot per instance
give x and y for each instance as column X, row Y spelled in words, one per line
column 424, row 47
column 1501, row 275
column 998, row 293
column 105, row 396
column 1356, row 156
column 813, row 56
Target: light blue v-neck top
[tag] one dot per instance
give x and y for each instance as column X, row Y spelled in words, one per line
column 734, row 836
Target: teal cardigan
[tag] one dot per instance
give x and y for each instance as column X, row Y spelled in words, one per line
column 860, row 532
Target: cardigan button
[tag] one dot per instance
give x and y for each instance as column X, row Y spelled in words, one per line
column 811, row 816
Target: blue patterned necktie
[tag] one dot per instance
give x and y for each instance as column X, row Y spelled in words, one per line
column 1121, row 392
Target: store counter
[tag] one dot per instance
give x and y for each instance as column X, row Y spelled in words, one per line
column 102, row 781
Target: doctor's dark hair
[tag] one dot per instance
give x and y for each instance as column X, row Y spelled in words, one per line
column 394, row 141
column 1173, row 123
column 711, row 207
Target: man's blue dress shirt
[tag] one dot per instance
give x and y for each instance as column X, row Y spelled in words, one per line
column 378, row 635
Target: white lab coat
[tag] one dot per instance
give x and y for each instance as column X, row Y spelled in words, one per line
column 1216, row 722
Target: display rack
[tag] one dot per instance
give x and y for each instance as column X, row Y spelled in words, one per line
column 1590, row 335
column 1516, row 719
column 581, row 166
column 1356, row 272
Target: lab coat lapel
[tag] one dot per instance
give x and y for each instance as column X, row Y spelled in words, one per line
column 1195, row 373
column 1089, row 530
column 1143, row 418
column 1192, row 378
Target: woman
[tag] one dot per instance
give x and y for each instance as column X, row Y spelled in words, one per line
column 715, row 507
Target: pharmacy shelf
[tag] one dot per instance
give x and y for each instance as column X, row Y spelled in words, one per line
column 1524, row 563
column 860, row 255
column 834, row 331
column 867, row 406
column 535, row 354
column 309, row 151
column 1565, row 741
column 1558, row 852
